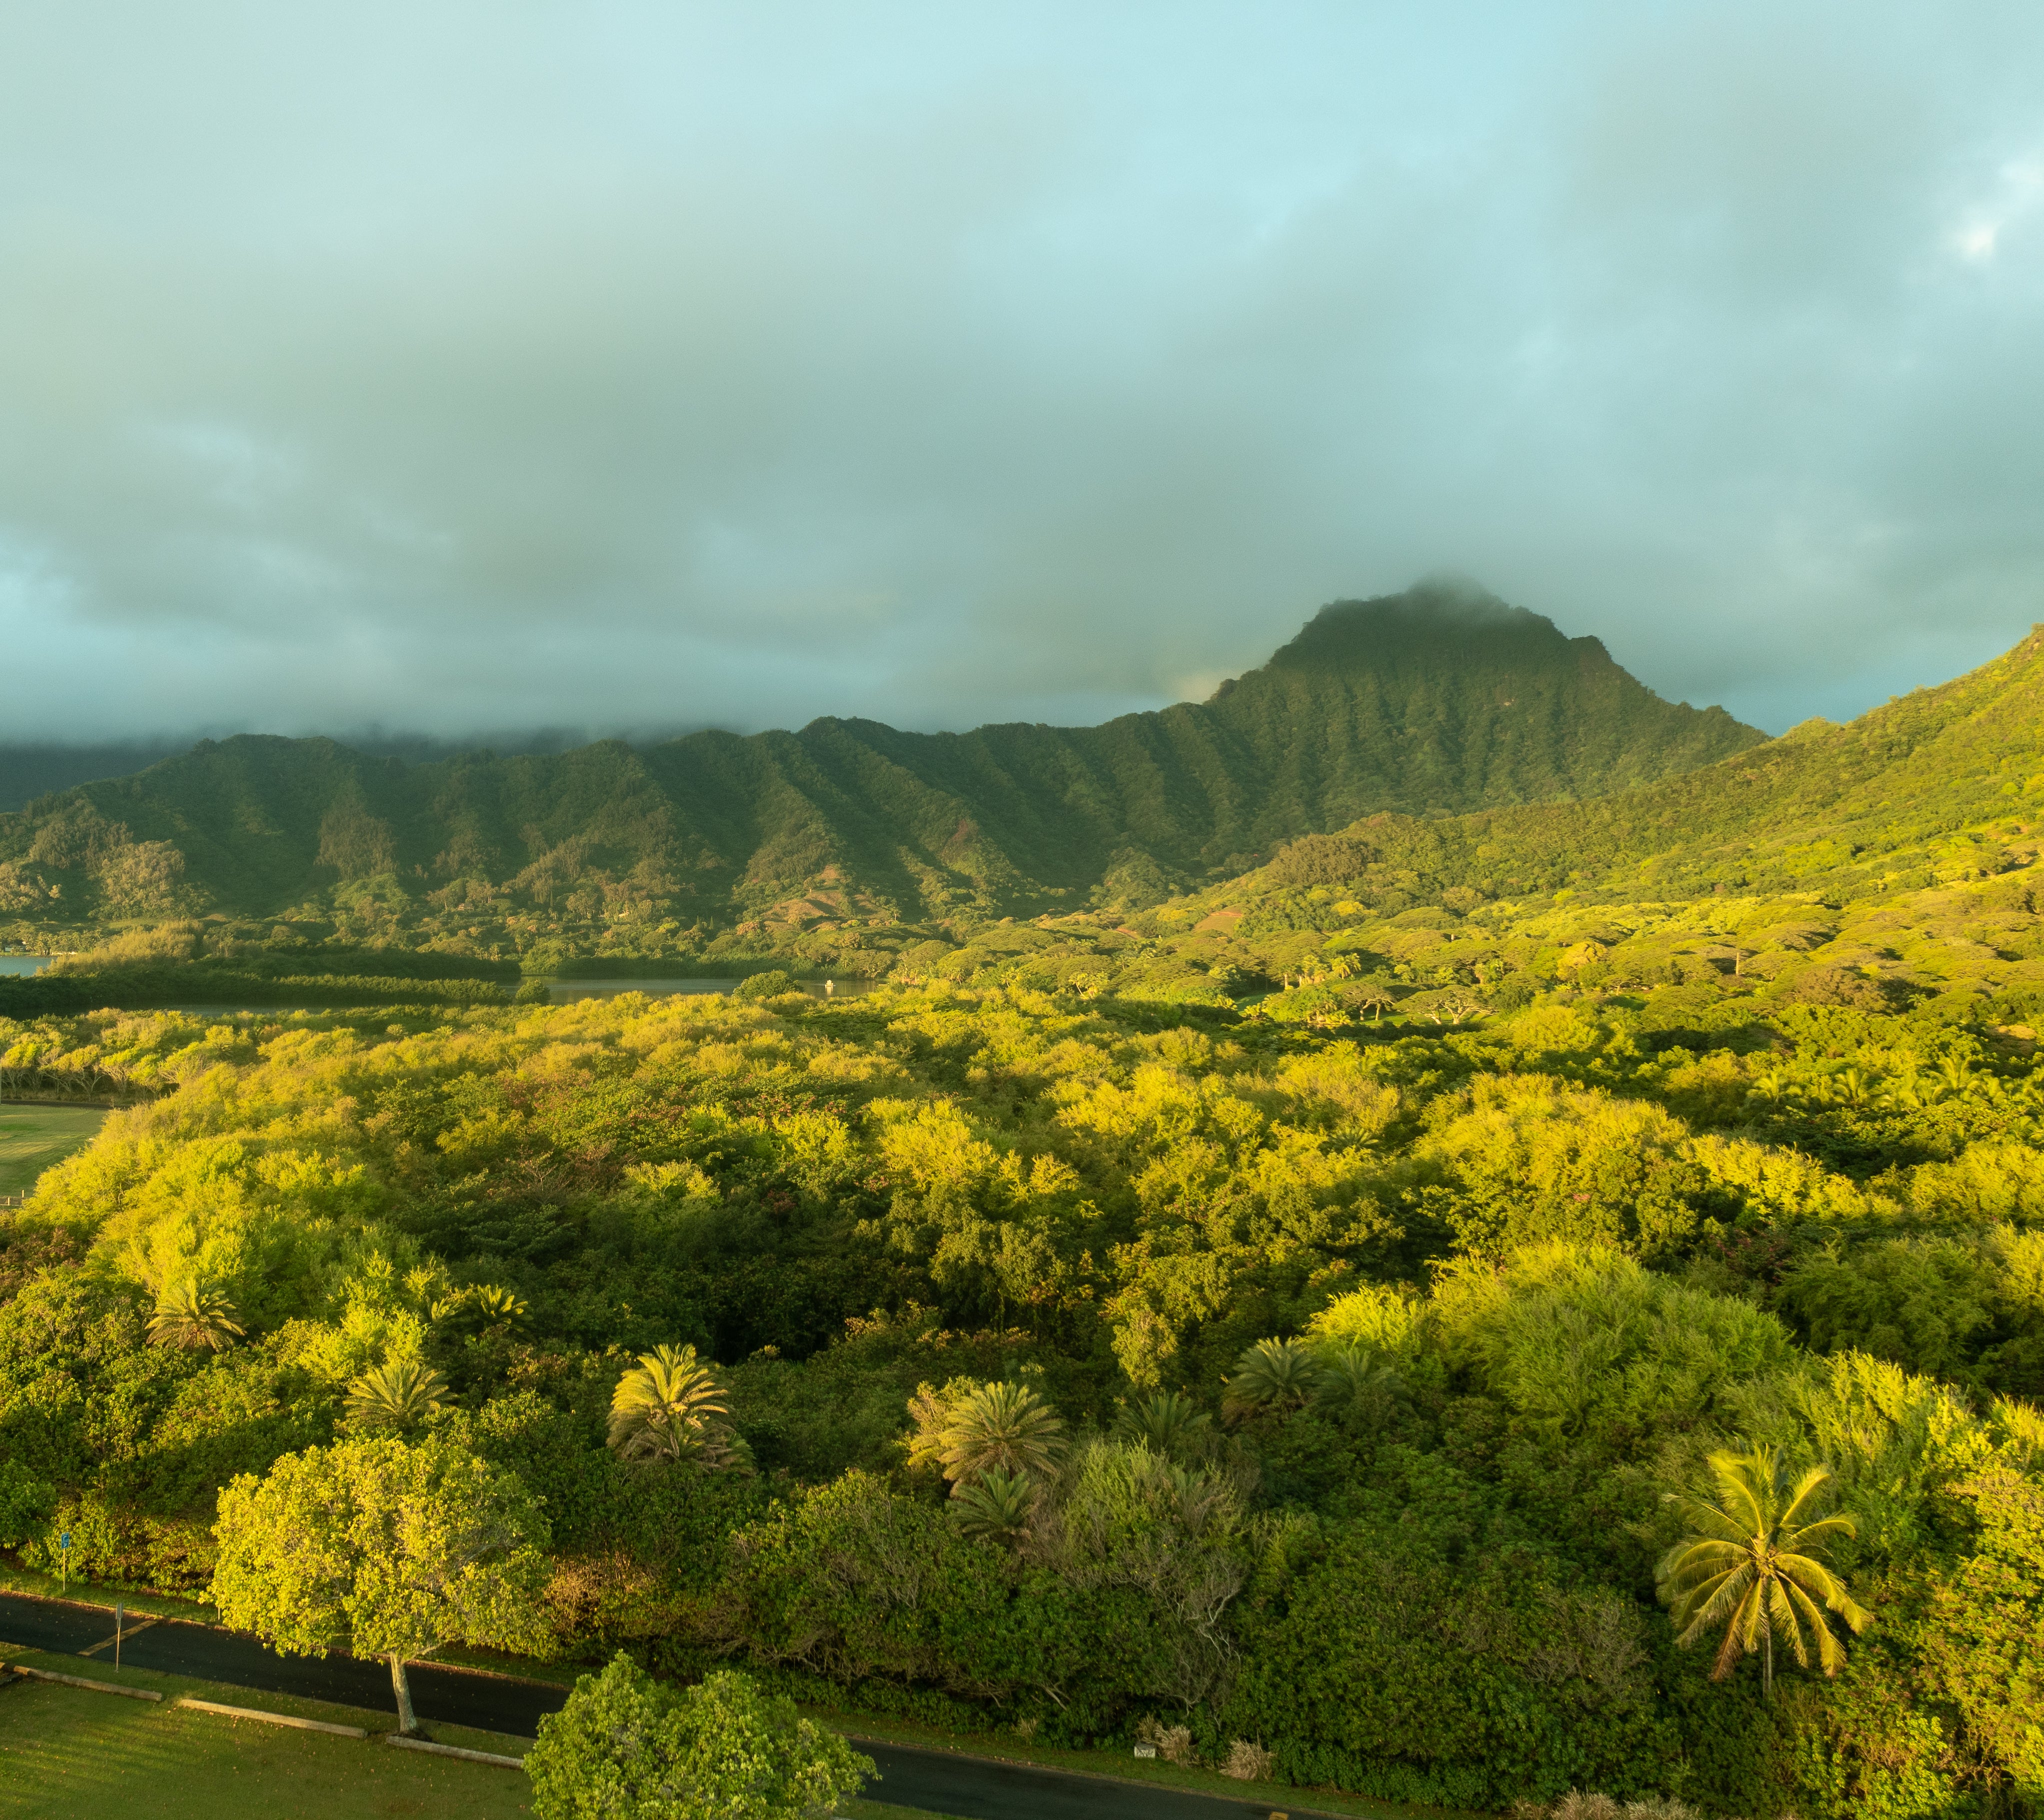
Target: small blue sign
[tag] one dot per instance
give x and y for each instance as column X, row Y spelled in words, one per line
column 63, row 1541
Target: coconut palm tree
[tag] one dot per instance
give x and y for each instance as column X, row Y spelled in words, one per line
column 395, row 1395
column 1166, row 1421
column 672, row 1407
column 1752, row 1565
column 190, row 1316
column 1272, row 1375
column 996, row 1506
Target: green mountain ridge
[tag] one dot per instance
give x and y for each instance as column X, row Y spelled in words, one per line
column 1939, row 786
column 1428, row 704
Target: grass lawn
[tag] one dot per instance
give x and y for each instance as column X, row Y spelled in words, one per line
column 32, row 1138
column 67, row 1752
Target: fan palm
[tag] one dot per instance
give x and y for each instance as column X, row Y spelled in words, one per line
column 189, row 1315
column 1754, row 1566
column 1272, row 1375
column 672, row 1407
column 995, row 1506
column 395, row 1395
column 1166, row 1421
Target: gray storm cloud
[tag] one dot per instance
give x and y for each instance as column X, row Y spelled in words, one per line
column 637, row 366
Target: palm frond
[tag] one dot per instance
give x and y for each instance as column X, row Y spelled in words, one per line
column 672, row 1407
column 1168, row 1422
column 1748, row 1565
column 395, row 1395
column 999, row 1427
column 1273, row 1375
column 190, row 1315
column 996, row 1506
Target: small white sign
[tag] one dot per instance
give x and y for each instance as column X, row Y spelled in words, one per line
column 1146, row 1750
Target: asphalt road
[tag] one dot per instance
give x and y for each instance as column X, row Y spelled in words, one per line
column 976, row 1788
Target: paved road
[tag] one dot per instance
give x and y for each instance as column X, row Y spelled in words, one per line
column 976, row 1788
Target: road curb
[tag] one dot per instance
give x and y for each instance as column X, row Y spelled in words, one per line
column 86, row 1681
column 455, row 1750
column 272, row 1718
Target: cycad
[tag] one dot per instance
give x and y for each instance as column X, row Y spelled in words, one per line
column 1000, row 1428
column 969, row 1429
column 672, row 1407
column 396, row 1395
column 482, row 1308
column 1166, row 1421
column 996, row 1506
column 189, row 1315
column 1272, row 1375
column 1753, row 1567
column 1351, row 1371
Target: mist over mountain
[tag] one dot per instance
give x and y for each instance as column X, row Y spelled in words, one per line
column 1433, row 702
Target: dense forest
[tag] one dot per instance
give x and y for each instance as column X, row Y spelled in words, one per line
column 1345, row 1347
column 1331, row 1322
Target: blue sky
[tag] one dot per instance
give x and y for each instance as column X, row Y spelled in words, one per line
column 633, row 366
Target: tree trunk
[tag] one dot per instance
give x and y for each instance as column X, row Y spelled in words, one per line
column 408, row 1721
column 1767, row 1661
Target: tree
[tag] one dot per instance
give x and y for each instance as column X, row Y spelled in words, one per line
column 975, row 1428
column 626, row 1748
column 1272, row 1375
column 1168, row 1422
column 1354, row 1371
column 672, row 1407
column 383, row 1549
column 192, row 1316
column 1754, row 1567
column 997, row 1505
column 397, row 1395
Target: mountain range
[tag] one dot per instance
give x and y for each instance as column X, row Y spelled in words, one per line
column 1438, row 703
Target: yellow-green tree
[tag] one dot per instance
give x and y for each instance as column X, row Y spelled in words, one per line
column 382, row 1548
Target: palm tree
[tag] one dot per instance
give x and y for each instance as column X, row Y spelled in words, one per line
column 1166, row 1421
column 188, row 1315
column 395, row 1395
column 969, row 1429
column 481, row 1308
column 1753, row 1565
column 1271, row 1374
column 496, row 1306
column 672, row 1407
column 996, row 1506
column 1357, row 1372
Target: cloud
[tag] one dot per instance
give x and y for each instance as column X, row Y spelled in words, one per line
column 665, row 365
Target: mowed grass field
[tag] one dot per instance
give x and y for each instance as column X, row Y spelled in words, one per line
column 32, row 1138
column 66, row 1753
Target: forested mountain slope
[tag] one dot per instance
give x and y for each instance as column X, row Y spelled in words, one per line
column 1939, row 786
column 1435, row 701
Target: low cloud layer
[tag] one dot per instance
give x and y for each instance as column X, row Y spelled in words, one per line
column 656, row 365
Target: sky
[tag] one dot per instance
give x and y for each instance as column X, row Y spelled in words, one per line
column 632, row 367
